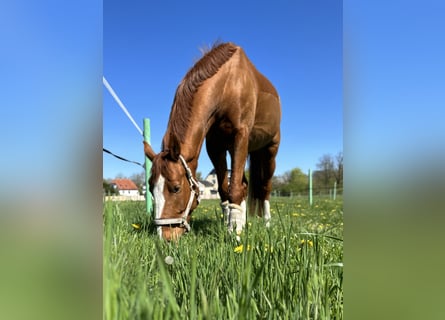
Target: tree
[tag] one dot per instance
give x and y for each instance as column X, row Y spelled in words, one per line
column 291, row 182
column 324, row 177
column 330, row 170
column 139, row 180
column 120, row 175
column 298, row 181
column 108, row 188
column 339, row 169
column 326, row 167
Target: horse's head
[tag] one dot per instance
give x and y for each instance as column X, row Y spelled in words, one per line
column 175, row 192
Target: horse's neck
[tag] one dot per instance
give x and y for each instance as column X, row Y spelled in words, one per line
column 194, row 137
column 206, row 99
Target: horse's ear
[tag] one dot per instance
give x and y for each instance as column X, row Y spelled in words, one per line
column 149, row 151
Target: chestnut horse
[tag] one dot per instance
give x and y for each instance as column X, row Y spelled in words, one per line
column 225, row 100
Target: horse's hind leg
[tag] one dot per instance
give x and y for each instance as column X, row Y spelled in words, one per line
column 262, row 168
column 217, row 155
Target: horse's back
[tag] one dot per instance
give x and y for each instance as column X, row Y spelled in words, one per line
column 266, row 94
column 247, row 98
column 266, row 128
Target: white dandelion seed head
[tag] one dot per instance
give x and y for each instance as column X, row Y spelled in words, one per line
column 168, row 260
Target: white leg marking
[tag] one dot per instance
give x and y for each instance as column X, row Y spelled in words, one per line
column 159, row 201
column 237, row 217
column 244, row 216
column 266, row 214
column 243, row 220
column 225, row 211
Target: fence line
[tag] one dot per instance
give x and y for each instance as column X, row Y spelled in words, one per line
column 119, row 102
column 124, row 198
column 124, row 109
column 316, row 191
column 121, row 158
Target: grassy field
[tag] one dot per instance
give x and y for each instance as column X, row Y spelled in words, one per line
column 293, row 270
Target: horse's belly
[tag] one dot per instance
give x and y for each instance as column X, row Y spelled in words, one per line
column 259, row 138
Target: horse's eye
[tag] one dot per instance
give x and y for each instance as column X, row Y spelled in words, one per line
column 176, row 189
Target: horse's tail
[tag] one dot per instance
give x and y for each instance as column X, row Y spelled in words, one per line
column 257, row 188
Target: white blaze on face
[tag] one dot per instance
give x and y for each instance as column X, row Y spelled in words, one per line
column 159, row 200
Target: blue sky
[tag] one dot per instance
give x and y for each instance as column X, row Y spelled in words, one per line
column 148, row 47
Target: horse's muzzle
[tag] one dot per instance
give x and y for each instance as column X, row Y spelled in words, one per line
column 173, row 233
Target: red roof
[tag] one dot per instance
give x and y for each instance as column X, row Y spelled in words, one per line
column 125, row 184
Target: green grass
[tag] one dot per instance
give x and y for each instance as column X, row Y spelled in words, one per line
column 293, row 270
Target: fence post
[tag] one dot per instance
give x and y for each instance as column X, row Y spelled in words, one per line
column 335, row 189
column 310, row 187
column 147, row 167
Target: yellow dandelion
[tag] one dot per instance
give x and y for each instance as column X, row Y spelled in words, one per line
column 240, row 248
column 295, row 214
column 136, row 226
column 310, row 243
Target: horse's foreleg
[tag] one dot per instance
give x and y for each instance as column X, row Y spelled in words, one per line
column 238, row 186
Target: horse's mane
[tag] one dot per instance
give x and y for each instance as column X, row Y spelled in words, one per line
column 205, row 68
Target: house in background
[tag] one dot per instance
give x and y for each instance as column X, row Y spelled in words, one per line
column 209, row 186
column 125, row 187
